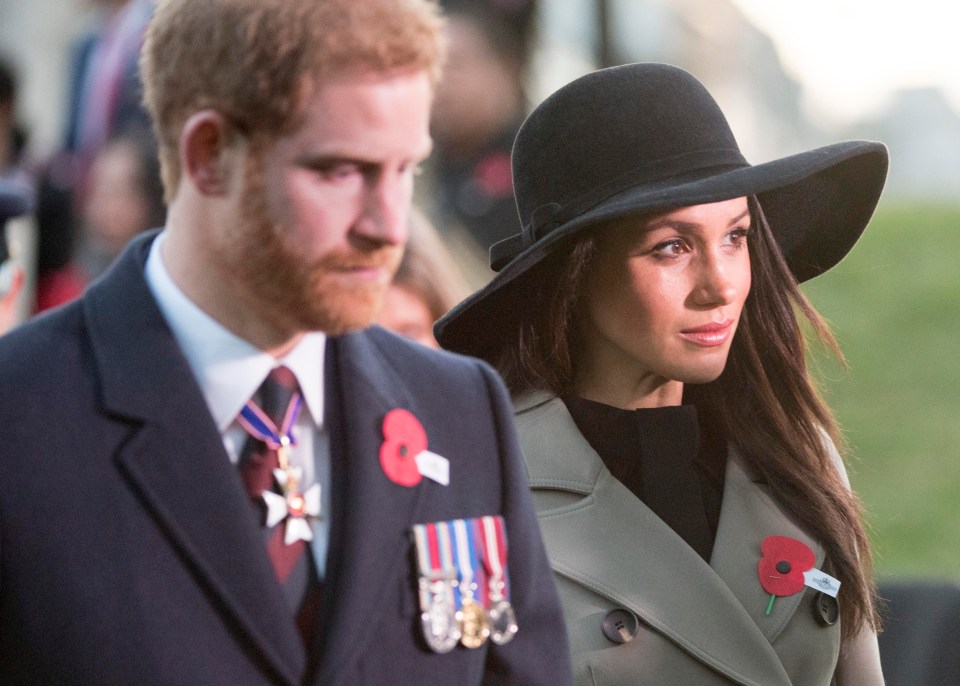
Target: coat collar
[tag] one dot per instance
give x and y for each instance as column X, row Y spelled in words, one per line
column 175, row 459
column 714, row 612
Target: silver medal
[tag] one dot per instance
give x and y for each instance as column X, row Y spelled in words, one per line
column 438, row 619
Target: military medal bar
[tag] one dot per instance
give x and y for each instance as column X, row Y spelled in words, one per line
column 463, row 584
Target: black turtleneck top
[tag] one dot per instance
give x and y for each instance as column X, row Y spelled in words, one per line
column 665, row 459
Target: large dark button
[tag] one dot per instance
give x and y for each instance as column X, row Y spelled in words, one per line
column 620, row 625
column 783, row 567
column 826, row 609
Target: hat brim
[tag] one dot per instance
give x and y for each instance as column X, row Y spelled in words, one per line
column 817, row 203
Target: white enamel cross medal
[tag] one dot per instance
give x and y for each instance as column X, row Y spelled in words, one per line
column 292, row 505
column 297, row 508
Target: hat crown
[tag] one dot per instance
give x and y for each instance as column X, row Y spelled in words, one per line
column 646, row 124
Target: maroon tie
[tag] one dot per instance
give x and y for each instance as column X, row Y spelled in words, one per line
column 292, row 563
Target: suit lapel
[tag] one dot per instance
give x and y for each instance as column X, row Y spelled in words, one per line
column 661, row 579
column 175, row 460
column 370, row 541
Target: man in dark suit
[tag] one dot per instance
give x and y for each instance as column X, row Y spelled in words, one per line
column 210, row 472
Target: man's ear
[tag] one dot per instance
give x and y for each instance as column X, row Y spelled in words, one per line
column 205, row 152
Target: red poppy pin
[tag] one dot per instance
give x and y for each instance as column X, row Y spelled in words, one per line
column 782, row 567
column 403, row 439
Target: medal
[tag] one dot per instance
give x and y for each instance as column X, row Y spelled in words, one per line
column 472, row 618
column 438, row 577
column 503, row 619
column 291, row 504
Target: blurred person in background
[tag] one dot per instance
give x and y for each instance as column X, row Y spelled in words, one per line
column 16, row 271
column 649, row 323
column 124, row 198
column 13, row 138
column 427, row 284
column 106, row 92
column 14, row 202
column 479, row 106
column 104, row 100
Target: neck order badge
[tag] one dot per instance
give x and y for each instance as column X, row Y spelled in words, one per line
column 292, row 504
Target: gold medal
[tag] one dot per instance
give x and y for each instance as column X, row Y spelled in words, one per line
column 474, row 628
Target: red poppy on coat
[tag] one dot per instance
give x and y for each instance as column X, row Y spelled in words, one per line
column 403, row 439
column 783, row 563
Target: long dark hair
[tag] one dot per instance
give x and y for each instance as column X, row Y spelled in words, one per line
column 765, row 399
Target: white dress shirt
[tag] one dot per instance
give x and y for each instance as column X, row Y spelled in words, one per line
column 229, row 370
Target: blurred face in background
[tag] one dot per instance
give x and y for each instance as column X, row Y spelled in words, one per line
column 479, row 91
column 116, row 207
column 407, row 314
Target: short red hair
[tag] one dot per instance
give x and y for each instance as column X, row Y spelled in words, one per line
column 251, row 59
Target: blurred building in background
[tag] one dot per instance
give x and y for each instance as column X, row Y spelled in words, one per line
column 711, row 38
column 923, row 133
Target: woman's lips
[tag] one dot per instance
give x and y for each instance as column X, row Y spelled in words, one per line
column 709, row 335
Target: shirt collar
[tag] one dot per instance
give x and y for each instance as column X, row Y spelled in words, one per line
column 228, row 368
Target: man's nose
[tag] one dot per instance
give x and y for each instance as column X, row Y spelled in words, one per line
column 386, row 204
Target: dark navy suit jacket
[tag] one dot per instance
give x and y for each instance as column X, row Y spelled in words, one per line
column 129, row 553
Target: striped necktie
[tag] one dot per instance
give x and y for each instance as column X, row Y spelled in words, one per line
column 269, row 419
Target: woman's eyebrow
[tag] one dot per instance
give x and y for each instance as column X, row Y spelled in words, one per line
column 678, row 225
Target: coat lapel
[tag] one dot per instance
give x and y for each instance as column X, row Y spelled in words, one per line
column 369, row 544
column 662, row 580
column 749, row 515
column 175, row 460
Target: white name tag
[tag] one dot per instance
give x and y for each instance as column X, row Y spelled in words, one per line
column 821, row 581
column 433, row 466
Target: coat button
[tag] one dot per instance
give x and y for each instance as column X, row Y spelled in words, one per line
column 826, row 609
column 620, row 625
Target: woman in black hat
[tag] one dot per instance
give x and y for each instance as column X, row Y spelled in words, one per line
column 647, row 321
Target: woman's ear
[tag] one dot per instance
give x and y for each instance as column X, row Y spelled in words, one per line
column 204, row 152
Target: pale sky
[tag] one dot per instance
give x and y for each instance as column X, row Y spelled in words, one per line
column 851, row 54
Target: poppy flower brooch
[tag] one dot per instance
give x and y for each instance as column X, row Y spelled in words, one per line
column 787, row 566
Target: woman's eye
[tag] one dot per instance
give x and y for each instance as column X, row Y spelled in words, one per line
column 738, row 237
column 671, row 248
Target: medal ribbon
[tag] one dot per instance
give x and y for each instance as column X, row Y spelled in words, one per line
column 423, row 560
column 466, row 556
column 260, row 426
column 495, row 542
column 483, row 577
column 446, row 555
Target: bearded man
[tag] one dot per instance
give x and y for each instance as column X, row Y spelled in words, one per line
column 212, row 472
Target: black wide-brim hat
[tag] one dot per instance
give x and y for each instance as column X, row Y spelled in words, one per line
column 640, row 138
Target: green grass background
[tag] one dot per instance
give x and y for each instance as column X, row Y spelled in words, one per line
column 894, row 306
